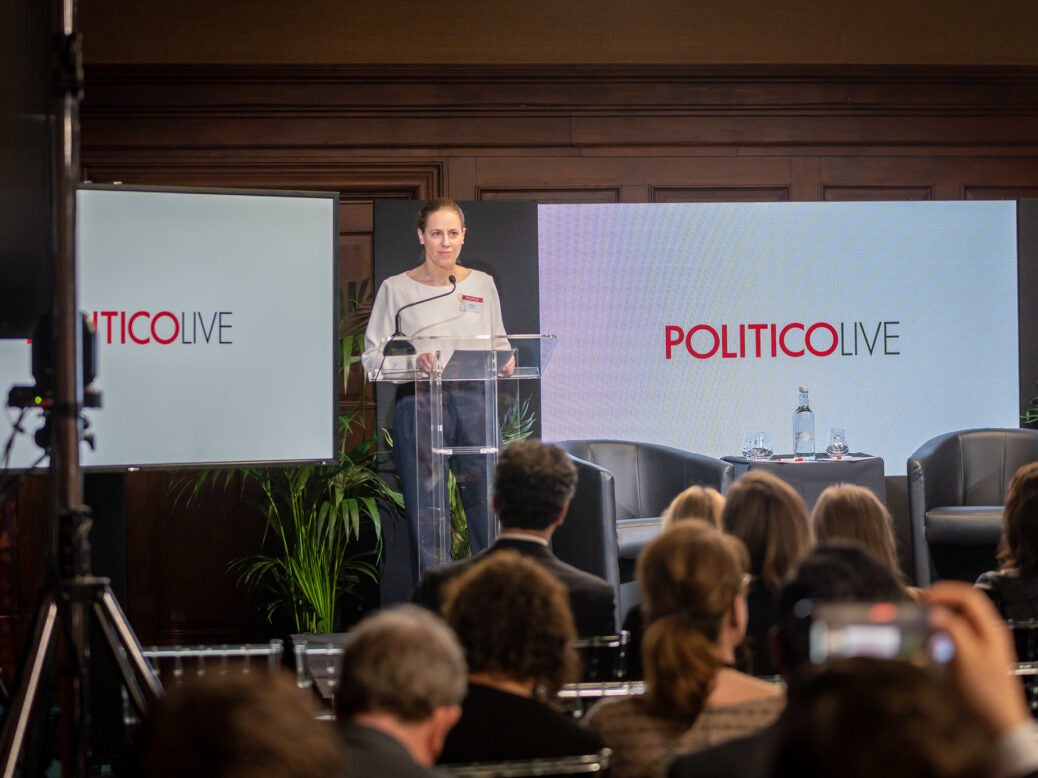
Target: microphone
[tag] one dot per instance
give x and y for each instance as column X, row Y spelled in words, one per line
column 404, row 347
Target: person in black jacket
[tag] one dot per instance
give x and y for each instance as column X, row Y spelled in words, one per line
column 1014, row 587
column 533, row 484
column 513, row 620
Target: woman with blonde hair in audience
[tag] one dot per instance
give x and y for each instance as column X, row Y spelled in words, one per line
column 770, row 518
column 852, row 512
column 696, row 502
column 692, row 578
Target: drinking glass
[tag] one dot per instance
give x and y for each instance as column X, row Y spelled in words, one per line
column 757, row 445
column 837, row 446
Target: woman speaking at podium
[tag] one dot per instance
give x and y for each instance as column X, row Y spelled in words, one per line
column 437, row 298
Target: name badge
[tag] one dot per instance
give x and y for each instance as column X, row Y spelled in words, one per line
column 471, row 304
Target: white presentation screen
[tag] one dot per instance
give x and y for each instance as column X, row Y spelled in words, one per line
column 689, row 324
column 216, row 327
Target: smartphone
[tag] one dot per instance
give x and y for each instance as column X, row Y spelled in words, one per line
column 882, row 630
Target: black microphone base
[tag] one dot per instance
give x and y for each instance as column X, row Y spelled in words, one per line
column 398, row 348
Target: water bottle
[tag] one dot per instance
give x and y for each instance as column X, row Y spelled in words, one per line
column 803, row 428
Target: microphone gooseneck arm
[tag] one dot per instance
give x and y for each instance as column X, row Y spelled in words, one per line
column 403, row 346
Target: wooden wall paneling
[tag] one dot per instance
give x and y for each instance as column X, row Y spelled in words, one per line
column 181, row 590
column 719, row 194
column 602, row 172
column 836, row 192
column 24, row 556
column 548, row 196
column 999, row 192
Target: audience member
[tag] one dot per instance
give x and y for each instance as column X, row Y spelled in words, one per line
column 692, row 579
column 834, row 571
column 703, row 503
column 533, row 484
column 696, row 502
column 868, row 717
column 852, row 512
column 402, row 683
column 864, row 717
column 1014, row 587
column 513, row 620
column 237, row 725
column 767, row 515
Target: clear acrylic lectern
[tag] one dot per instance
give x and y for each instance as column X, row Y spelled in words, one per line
column 458, row 400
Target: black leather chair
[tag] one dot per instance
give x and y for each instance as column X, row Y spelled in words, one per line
column 956, row 489
column 645, row 478
column 587, row 538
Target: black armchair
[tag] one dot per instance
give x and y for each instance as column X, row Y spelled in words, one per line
column 645, row 477
column 956, row 489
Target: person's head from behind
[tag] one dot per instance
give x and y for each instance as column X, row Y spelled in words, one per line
column 533, row 484
column 833, row 571
column 869, row 717
column 403, row 665
column 692, row 582
column 853, row 512
column 1019, row 545
column 766, row 514
column 696, row 502
column 513, row 619
column 238, row 725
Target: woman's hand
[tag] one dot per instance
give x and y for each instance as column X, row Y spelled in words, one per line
column 509, row 366
column 425, row 362
column 984, row 653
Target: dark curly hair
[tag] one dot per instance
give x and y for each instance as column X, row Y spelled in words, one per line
column 513, row 620
column 533, row 483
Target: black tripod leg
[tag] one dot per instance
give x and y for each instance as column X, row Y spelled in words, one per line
column 141, row 683
column 26, row 699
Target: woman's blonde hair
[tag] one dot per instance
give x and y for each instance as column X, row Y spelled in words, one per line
column 766, row 514
column 690, row 577
column 852, row 512
column 696, row 502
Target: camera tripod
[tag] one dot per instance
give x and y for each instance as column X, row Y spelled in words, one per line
column 73, row 600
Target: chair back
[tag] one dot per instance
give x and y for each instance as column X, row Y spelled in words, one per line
column 648, row 476
column 173, row 662
column 588, row 764
column 604, row 657
column 318, row 661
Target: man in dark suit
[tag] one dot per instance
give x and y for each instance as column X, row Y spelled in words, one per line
column 403, row 680
column 533, row 484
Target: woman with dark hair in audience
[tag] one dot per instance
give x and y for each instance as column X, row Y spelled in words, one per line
column 692, row 579
column 514, row 622
column 852, row 512
column 767, row 515
column 1014, row 587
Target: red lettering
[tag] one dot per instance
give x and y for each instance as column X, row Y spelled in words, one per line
column 814, row 328
column 782, row 339
column 669, row 333
column 713, row 334
column 133, row 337
column 176, row 327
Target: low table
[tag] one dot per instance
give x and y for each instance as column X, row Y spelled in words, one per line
column 812, row 477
